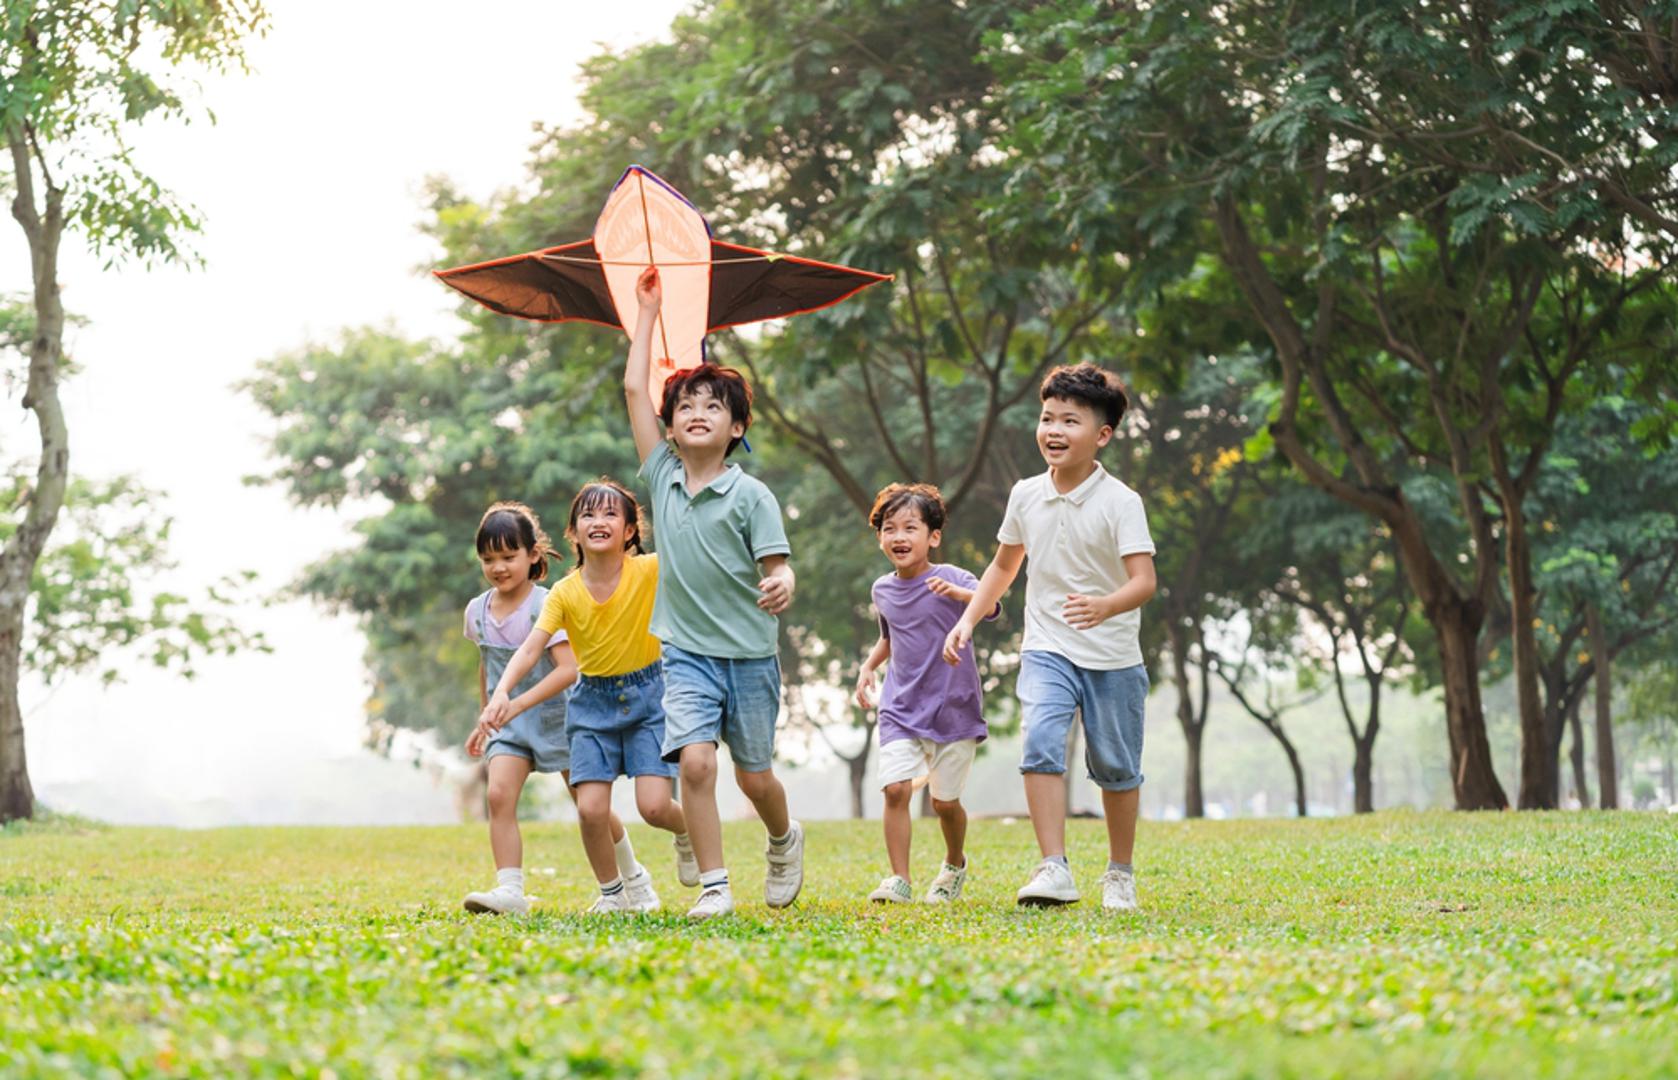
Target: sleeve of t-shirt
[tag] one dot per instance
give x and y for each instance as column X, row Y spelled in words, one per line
column 1132, row 528
column 764, row 530
column 966, row 580
column 1012, row 529
column 879, row 613
column 470, row 636
column 552, row 619
column 656, row 469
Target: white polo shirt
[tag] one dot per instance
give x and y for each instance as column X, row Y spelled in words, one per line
column 1076, row 543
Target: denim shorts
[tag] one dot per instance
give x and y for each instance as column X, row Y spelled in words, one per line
column 537, row 735
column 616, row 726
column 1052, row 689
column 714, row 700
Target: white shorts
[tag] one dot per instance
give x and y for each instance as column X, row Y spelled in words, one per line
column 910, row 759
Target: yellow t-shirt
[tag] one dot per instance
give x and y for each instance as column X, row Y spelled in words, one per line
column 610, row 638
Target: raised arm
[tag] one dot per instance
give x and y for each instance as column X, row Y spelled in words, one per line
column 998, row 576
column 643, row 419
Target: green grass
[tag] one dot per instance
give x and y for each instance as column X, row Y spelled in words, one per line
column 1408, row 945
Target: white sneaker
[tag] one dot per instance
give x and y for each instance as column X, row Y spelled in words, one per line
column 1050, row 886
column 638, row 889
column 893, row 890
column 947, row 885
column 498, row 901
column 786, row 871
column 1118, row 891
column 711, row 904
column 687, row 863
column 616, row 904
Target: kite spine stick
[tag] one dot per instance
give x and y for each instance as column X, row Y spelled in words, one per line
column 647, row 227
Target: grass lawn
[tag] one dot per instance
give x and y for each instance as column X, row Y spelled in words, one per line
column 1403, row 944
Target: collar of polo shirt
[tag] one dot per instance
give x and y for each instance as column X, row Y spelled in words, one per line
column 1078, row 494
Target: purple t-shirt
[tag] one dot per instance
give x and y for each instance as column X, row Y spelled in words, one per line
column 509, row 633
column 923, row 697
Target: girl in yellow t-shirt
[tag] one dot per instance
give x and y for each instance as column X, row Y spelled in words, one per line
column 615, row 718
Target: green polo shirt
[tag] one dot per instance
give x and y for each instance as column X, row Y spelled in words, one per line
column 708, row 548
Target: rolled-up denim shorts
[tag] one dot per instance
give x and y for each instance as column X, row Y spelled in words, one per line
column 1052, row 689
column 616, row 726
column 717, row 700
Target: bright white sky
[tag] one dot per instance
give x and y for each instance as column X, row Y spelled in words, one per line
column 310, row 182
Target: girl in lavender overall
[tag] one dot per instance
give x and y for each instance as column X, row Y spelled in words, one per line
column 513, row 553
column 931, row 720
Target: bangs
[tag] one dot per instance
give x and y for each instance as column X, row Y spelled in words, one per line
column 505, row 531
column 597, row 497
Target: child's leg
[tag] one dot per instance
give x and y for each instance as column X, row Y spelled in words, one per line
column 699, row 804
column 1045, row 799
column 654, row 798
column 952, row 817
column 594, row 813
column 507, row 774
column 898, row 826
column 619, row 835
column 767, row 795
column 1120, row 808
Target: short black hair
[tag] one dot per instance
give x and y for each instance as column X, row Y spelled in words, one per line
column 513, row 526
column 723, row 383
column 925, row 499
column 1087, row 384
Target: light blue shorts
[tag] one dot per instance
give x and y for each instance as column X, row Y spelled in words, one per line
column 1052, row 689
column 714, row 700
column 537, row 735
column 616, row 726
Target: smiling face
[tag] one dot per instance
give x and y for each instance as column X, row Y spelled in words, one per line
column 602, row 523
column 1069, row 433
column 701, row 422
column 507, row 569
column 907, row 541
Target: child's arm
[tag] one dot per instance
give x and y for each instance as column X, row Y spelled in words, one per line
column 998, row 576
column 865, row 678
column 777, row 585
column 554, row 682
column 961, row 594
column 643, row 419
column 483, row 694
column 1087, row 612
column 495, row 713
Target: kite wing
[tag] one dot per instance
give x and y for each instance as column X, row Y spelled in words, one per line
column 708, row 284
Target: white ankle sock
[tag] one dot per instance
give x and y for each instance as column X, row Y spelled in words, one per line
column 624, row 852
column 511, row 877
column 611, row 888
column 713, row 879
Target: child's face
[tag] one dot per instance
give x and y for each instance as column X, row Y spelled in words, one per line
column 602, row 529
column 1069, row 433
column 907, row 541
column 507, row 568
column 702, row 422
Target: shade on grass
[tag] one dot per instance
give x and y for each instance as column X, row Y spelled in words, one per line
column 1413, row 945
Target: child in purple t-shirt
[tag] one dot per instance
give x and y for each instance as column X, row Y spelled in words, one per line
column 931, row 720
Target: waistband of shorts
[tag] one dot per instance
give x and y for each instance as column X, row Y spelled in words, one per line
column 654, row 670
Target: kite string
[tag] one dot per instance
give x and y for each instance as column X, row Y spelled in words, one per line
column 647, row 227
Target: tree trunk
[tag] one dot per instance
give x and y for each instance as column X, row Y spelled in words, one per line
column 1577, row 755
column 858, row 769
column 52, row 473
column 1298, row 771
column 1604, row 679
column 1194, row 802
column 1540, row 779
column 1473, row 776
column 1363, row 775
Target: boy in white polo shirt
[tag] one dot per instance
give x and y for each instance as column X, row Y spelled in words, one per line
column 1092, row 568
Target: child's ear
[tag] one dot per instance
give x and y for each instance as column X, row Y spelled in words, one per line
column 1105, row 437
column 935, row 538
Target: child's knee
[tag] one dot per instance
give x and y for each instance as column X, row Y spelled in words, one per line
column 652, row 805
column 947, row 807
column 755, row 785
column 594, row 805
column 503, row 798
column 897, row 795
column 699, row 766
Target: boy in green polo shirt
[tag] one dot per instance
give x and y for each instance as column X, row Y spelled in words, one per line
column 723, row 578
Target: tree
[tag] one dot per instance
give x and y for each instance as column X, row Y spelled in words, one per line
column 1396, row 190
column 74, row 78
